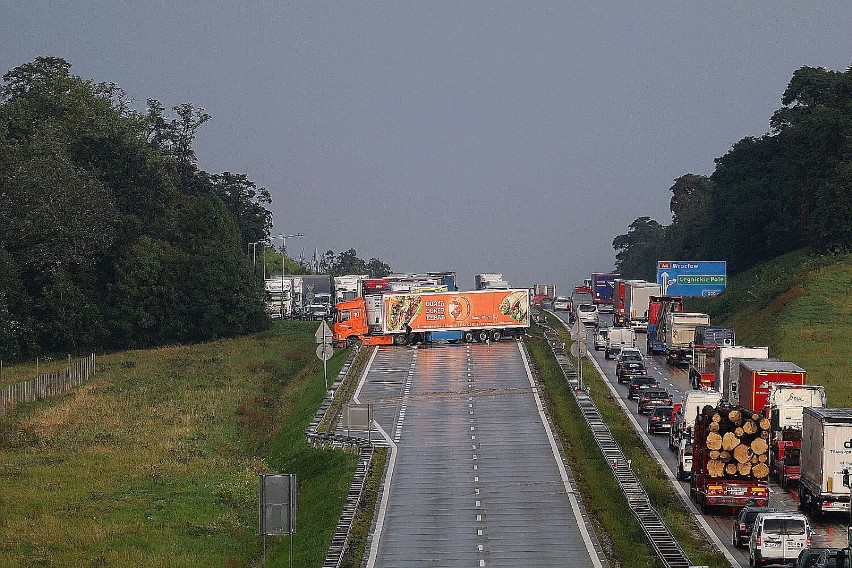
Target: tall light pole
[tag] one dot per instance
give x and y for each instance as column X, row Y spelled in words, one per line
column 283, row 261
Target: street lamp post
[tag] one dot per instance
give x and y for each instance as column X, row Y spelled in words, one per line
column 283, row 260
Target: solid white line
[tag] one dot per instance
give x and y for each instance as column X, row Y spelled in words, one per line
column 383, row 505
column 672, row 479
column 590, row 548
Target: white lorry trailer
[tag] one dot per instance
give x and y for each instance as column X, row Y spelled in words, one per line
column 728, row 368
column 684, row 418
column 680, row 332
column 637, row 296
column 826, row 453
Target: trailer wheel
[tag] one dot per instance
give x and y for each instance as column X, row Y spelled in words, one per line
column 482, row 336
column 496, row 335
column 468, row 337
column 399, row 339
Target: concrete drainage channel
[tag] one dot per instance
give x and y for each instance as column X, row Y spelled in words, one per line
column 667, row 547
column 316, row 439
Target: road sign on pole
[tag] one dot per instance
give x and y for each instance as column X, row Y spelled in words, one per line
column 277, row 508
column 324, row 349
column 323, row 333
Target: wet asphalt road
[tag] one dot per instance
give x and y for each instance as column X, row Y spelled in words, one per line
column 474, row 480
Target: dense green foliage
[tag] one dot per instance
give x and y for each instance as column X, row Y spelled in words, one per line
column 110, row 235
column 788, row 189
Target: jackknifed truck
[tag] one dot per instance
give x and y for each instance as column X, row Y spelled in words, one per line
column 402, row 319
column 729, row 459
column 826, row 453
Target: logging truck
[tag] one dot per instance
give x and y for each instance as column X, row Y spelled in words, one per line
column 729, row 459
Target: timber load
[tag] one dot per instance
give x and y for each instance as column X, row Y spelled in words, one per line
column 737, row 441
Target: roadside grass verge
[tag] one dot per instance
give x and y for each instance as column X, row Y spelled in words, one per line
column 616, row 528
column 154, row 461
column 662, row 495
column 25, row 371
column 800, row 306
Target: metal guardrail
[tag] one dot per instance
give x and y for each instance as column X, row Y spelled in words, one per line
column 664, row 543
column 315, row 438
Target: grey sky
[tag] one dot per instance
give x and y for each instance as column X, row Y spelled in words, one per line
column 472, row 136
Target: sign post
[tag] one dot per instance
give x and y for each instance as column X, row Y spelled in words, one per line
column 324, row 348
column 277, row 508
column 692, row 278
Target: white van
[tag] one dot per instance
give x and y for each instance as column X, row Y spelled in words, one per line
column 778, row 538
column 587, row 314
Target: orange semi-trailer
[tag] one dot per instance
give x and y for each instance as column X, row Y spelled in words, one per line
column 400, row 319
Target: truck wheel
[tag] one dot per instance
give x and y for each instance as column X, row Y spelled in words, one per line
column 399, row 339
column 468, row 337
column 482, row 336
column 496, row 335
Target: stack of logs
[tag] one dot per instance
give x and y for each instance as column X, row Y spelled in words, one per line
column 737, row 440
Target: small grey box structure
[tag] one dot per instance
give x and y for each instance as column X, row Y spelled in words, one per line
column 277, row 514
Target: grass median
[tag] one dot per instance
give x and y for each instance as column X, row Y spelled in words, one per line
column 660, row 491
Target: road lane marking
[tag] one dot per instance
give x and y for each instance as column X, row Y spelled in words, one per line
column 581, row 524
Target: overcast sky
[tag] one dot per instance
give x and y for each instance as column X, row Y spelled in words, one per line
column 504, row 137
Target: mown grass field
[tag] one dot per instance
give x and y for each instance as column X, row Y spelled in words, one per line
column 603, row 497
column 154, row 462
column 800, row 305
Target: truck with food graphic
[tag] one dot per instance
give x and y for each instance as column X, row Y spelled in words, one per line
column 402, row 319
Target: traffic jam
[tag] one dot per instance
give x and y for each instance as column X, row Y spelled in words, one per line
column 758, row 451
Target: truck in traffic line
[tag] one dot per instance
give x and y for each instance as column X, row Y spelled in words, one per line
column 603, row 286
column 636, row 302
column 786, row 406
column 826, row 452
column 690, row 408
column 617, row 339
column 349, row 287
column 706, row 348
column 543, row 292
column 491, row 281
column 751, row 388
column 658, row 307
column 728, row 366
column 679, row 333
column 728, row 468
column 401, row 319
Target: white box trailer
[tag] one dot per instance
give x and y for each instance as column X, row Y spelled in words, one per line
column 680, row 332
column 348, row 287
column 637, row 296
column 826, row 453
column 787, row 403
column 684, row 420
column 724, row 367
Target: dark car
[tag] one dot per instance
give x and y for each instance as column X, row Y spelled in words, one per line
column 629, row 364
column 650, row 398
column 744, row 524
column 660, row 420
column 831, row 558
column 638, row 384
column 808, row 557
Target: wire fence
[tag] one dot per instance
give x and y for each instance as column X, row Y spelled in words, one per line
column 50, row 384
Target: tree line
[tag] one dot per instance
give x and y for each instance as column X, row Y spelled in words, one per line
column 788, row 189
column 111, row 236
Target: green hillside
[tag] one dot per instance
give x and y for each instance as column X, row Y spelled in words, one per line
column 798, row 304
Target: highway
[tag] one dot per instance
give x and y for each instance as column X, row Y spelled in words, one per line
column 475, row 477
column 828, row 533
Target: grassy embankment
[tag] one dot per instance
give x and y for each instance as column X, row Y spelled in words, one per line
column 800, row 305
column 26, row 371
column 154, row 462
column 627, row 544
